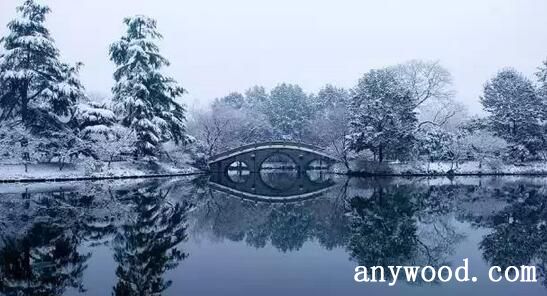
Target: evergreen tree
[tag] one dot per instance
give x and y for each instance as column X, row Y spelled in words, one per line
column 143, row 96
column 31, row 74
column 382, row 116
column 542, row 78
column 256, row 97
column 330, row 97
column 289, row 111
column 234, row 100
column 92, row 118
column 516, row 111
column 330, row 124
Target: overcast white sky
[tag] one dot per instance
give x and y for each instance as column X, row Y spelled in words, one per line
column 218, row 46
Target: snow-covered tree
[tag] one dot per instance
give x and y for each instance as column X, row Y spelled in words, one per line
column 143, row 96
column 382, row 116
column 289, row 111
column 97, row 124
column 17, row 145
column 93, row 118
column 330, row 124
column 226, row 127
column 542, row 91
column 331, row 97
column 234, row 100
column 542, row 79
column 434, row 143
column 430, row 86
column 515, row 111
column 484, row 147
column 426, row 80
column 256, row 97
column 31, row 73
column 34, row 143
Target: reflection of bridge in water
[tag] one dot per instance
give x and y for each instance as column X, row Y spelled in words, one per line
column 272, row 171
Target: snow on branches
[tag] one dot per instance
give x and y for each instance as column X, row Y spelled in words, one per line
column 30, row 69
column 143, row 97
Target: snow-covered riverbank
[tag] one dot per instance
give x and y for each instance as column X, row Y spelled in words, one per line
column 442, row 168
column 54, row 172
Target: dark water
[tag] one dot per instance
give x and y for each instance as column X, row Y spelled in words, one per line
column 189, row 237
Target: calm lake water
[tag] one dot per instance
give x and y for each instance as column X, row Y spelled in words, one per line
column 201, row 236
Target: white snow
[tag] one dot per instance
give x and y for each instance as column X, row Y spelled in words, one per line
column 117, row 169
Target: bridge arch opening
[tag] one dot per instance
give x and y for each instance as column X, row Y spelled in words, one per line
column 317, row 171
column 238, row 172
column 279, row 171
column 278, row 161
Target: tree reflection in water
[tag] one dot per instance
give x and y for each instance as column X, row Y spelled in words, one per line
column 145, row 245
column 376, row 221
column 43, row 258
column 395, row 225
column 519, row 235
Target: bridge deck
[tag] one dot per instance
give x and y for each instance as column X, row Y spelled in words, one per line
column 269, row 145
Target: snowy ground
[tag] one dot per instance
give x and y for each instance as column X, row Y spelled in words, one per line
column 13, row 172
column 445, row 168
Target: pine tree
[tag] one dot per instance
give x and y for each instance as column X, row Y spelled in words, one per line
column 515, row 111
column 143, row 96
column 382, row 116
column 256, row 97
column 289, row 111
column 234, row 100
column 31, row 74
column 330, row 97
column 542, row 78
column 94, row 119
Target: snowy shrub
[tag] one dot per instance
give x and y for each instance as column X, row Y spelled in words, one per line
column 434, row 144
column 17, row 145
column 518, row 152
column 485, row 147
column 98, row 125
column 494, row 164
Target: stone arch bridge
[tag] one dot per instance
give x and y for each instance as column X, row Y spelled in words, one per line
column 254, row 155
column 256, row 186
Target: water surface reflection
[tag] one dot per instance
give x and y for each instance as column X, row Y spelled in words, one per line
column 182, row 236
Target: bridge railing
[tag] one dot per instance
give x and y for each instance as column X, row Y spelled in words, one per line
column 264, row 144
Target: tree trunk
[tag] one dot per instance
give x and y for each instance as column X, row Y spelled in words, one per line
column 24, row 102
column 380, row 153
